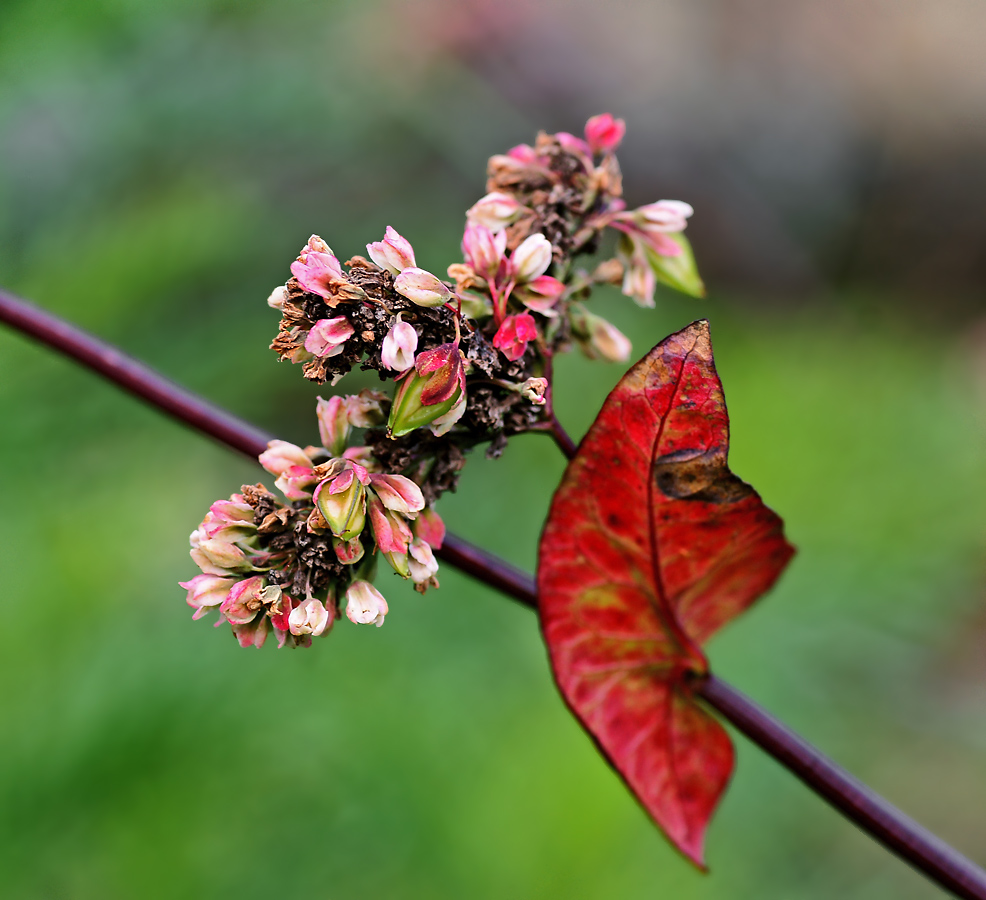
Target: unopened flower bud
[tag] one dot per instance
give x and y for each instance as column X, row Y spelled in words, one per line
column 604, row 133
column 573, row 144
column 278, row 297
column 399, row 346
column 393, row 253
column 205, row 592
column 216, row 557
column 422, row 288
column 328, row 336
column 531, row 258
column 598, row 338
column 333, row 423
column 390, row 529
column 281, row 455
column 430, row 528
column 483, row 250
column 514, row 334
column 296, row 482
column 421, row 561
column 495, row 211
column 341, row 498
column 541, row 294
column 311, row 617
column 665, row 215
column 609, row 271
column 252, row 633
column 365, row 605
column 348, row 552
column 398, row 493
column 367, row 409
column 429, row 390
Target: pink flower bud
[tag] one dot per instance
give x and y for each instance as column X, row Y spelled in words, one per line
column 430, row 528
column 316, row 267
column 243, row 601
column 483, row 250
column 531, row 259
column 296, row 482
column 495, row 211
column 534, row 390
column 278, row 297
column 215, row 557
column 604, row 133
column 333, row 423
column 665, row 215
column 421, row 561
column 398, row 493
column 399, row 346
column 513, row 335
column 280, row 612
column 523, row 153
column 573, row 144
column 206, row 592
column 393, row 253
column 390, row 530
column 541, row 294
column 367, row 409
column 422, row 288
column 281, row 455
column 252, row 634
column 365, row 605
column 327, row 336
column 229, row 520
column 311, row 617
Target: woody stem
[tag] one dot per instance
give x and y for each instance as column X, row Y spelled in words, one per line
column 901, row 835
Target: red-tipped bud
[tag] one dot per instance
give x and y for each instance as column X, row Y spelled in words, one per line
column 429, row 391
column 430, row 528
column 604, row 133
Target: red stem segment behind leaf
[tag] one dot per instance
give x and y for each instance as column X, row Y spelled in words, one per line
column 940, row 862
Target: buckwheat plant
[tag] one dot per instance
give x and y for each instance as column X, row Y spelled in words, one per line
column 466, row 360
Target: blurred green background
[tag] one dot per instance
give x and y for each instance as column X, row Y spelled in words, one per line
column 160, row 166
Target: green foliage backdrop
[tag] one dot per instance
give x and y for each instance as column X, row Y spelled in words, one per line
column 160, row 165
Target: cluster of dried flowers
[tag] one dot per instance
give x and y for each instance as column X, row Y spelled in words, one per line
column 470, row 359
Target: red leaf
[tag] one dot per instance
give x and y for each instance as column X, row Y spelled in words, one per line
column 651, row 545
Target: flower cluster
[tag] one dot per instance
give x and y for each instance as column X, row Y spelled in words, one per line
column 470, row 361
column 287, row 566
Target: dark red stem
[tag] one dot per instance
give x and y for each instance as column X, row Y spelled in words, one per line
column 936, row 859
column 867, row 809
